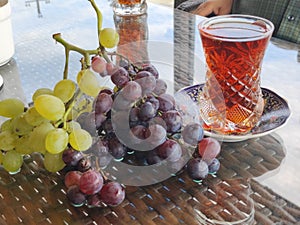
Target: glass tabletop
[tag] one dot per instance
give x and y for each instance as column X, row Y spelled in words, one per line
column 173, row 44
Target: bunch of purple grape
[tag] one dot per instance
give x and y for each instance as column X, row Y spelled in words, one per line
column 137, row 120
column 85, row 185
column 138, row 117
column 204, row 159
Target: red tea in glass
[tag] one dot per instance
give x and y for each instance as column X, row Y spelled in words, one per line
column 133, row 33
column 234, row 45
column 129, row 7
column 129, row 2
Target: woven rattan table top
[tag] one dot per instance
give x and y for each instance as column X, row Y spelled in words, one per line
column 35, row 196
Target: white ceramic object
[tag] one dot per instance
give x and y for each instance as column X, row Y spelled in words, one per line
column 7, row 48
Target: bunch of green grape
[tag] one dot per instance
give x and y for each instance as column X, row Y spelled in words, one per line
column 48, row 126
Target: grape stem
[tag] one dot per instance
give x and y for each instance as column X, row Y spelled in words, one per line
column 99, row 18
column 69, row 47
column 86, row 53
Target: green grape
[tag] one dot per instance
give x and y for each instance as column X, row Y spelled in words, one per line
column 65, row 90
column 72, row 125
column 109, row 38
column 11, row 107
column 50, row 107
column 89, row 83
column 79, row 75
column 8, row 140
column 56, row 140
column 41, row 91
column 1, row 158
column 12, row 162
column 80, row 139
column 38, row 136
column 6, row 125
column 33, row 118
column 53, row 162
column 20, row 125
column 23, row 145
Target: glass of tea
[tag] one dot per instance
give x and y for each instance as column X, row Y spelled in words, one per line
column 129, row 7
column 133, row 32
column 231, row 100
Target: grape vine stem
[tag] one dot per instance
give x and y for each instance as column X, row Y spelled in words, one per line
column 84, row 52
column 69, row 47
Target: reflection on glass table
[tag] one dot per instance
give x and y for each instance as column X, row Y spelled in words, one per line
column 28, row 4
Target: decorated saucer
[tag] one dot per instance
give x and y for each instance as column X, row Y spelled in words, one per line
column 276, row 113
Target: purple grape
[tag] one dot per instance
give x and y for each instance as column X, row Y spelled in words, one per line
column 158, row 120
column 166, row 102
column 71, row 157
column 154, row 101
column 147, row 84
column 116, row 148
column 75, row 196
column 151, row 68
column 112, row 194
column 72, row 178
column 173, row 120
column 121, row 103
column 110, row 68
column 94, row 201
column 134, row 114
column 120, row 77
column 214, row 166
column 192, row 133
column 197, row 169
column 140, row 131
column 120, row 120
column 169, row 150
column 158, row 135
column 147, row 111
column 160, row 87
column 143, row 74
column 209, row 148
column 132, row 91
column 90, row 182
column 98, row 64
column 99, row 119
column 106, row 91
column 107, row 127
column 103, row 103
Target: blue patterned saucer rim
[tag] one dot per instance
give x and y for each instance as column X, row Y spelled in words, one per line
column 276, row 114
